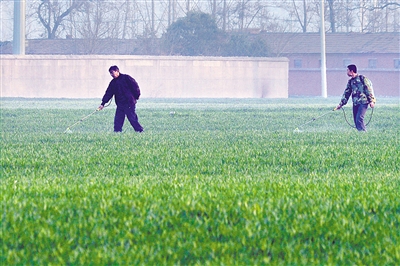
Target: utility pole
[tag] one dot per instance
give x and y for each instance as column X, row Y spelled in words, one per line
column 324, row 93
column 19, row 27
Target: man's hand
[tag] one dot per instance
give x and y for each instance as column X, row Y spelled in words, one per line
column 100, row 107
column 372, row 104
column 338, row 107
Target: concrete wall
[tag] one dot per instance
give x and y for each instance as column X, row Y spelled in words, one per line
column 57, row 76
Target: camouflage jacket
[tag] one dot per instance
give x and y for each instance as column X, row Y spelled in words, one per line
column 361, row 91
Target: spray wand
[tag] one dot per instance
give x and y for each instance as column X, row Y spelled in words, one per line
column 315, row 118
column 68, row 130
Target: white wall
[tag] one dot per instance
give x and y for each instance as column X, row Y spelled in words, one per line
column 59, row 76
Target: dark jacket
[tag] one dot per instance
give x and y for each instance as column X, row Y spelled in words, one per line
column 124, row 88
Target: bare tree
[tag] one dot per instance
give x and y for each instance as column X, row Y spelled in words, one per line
column 332, row 15
column 52, row 13
column 302, row 11
column 375, row 16
column 344, row 16
column 126, row 15
column 382, row 16
column 372, row 16
column 96, row 20
column 127, row 19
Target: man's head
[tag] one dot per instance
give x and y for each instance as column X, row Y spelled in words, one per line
column 114, row 71
column 351, row 70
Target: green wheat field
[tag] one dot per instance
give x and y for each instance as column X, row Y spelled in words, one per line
column 209, row 182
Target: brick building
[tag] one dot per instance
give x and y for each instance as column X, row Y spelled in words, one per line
column 377, row 56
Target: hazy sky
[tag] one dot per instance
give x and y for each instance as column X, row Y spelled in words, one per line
column 6, row 23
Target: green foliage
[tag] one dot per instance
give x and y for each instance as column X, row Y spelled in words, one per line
column 195, row 34
column 198, row 34
column 208, row 182
column 244, row 45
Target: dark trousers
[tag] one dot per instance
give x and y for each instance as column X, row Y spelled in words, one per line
column 129, row 112
column 358, row 115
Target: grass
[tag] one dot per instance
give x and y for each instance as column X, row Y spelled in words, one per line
column 210, row 182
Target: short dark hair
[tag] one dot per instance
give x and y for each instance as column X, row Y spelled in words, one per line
column 352, row 68
column 113, row 68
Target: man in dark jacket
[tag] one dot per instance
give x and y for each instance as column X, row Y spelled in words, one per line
column 126, row 91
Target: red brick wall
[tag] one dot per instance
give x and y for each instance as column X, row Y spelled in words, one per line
column 306, row 81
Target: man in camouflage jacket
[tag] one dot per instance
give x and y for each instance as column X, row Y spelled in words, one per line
column 362, row 94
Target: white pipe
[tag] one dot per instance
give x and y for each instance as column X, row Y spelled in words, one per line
column 324, row 92
column 19, row 27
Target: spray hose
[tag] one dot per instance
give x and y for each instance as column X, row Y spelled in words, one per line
column 347, row 121
column 334, row 109
column 108, row 104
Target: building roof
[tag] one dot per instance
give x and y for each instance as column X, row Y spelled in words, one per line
column 343, row 43
column 80, row 46
column 280, row 44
